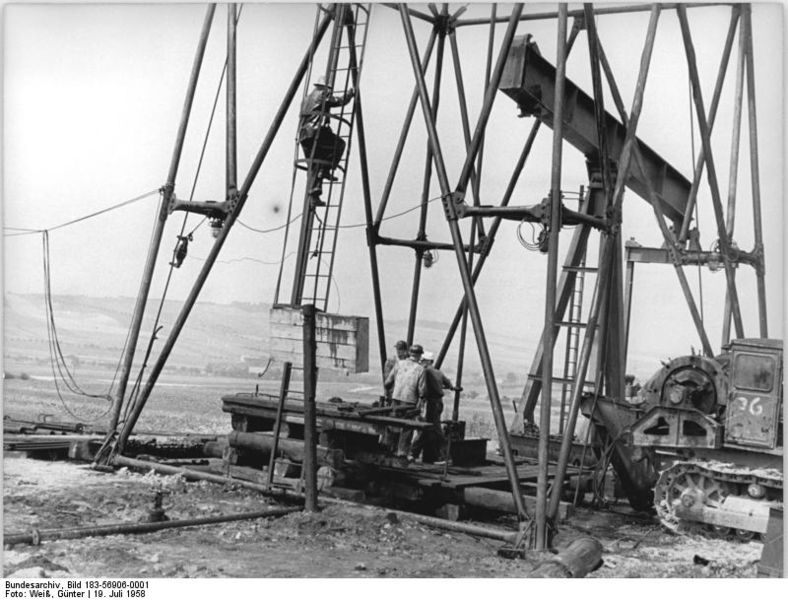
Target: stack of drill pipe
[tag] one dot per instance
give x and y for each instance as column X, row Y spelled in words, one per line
column 577, row 560
column 263, row 443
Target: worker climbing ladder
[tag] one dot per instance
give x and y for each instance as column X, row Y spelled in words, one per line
column 326, row 171
column 326, row 168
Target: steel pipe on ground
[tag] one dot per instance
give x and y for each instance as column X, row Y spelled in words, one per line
column 121, row 528
column 477, row 530
column 263, row 443
column 123, row 461
column 577, row 560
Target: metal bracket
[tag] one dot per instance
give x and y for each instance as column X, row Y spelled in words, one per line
column 233, row 198
column 485, row 245
column 454, row 205
column 211, row 209
column 758, row 254
column 167, row 192
column 545, row 209
column 522, row 542
column 613, row 218
column 372, row 235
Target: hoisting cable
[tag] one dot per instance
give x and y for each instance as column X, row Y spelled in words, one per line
column 60, row 369
column 181, row 237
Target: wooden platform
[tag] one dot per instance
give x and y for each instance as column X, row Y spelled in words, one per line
column 341, row 416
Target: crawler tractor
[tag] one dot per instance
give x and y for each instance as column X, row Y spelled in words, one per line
column 704, row 436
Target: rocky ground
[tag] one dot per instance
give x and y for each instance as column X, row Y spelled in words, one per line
column 340, row 541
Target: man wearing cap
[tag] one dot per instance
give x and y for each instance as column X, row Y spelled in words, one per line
column 432, row 441
column 401, row 349
column 315, row 133
column 408, row 387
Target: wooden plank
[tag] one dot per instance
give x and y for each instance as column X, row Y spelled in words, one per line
column 491, row 478
column 324, row 410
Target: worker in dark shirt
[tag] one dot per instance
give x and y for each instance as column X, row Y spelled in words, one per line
column 432, row 442
column 317, row 140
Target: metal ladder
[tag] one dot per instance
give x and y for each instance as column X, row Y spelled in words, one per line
column 322, row 231
column 320, row 226
column 573, row 326
column 318, row 236
column 576, row 273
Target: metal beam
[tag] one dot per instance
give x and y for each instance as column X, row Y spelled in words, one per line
column 644, row 254
column 670, row 241
column 542, row 535
column 613, row 10
column 411, row 11
column 423, row 244
column 310, row 422
column 425, row 190
column 367, row 196
column 243, row 193
column 403, row 136
column 715, row 99
column 158, row 231
column 232, row 134
column 490, row 238
column 526, row 151
column 755, row 180
column 607, row 262
column 529, row 81
column 448, row 201
column 534, row 214
column 711, row 171
column 733, row 171
column 477, row 225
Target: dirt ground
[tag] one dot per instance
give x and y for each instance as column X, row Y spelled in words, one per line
column 340, row 541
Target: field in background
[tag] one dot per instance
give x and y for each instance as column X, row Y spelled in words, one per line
column 222, row 350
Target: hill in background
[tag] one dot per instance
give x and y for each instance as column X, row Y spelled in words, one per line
column 216, row 338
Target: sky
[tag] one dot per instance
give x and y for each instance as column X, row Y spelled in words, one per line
column 92, row 99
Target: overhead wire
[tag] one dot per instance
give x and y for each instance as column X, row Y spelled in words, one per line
column 29, row 231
